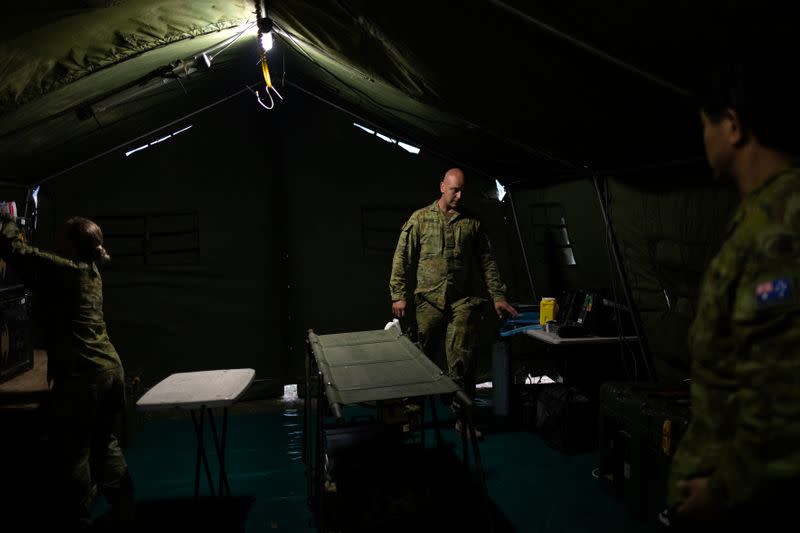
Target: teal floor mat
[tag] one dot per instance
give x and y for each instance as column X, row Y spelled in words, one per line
column 264, row 464
column 532, row 487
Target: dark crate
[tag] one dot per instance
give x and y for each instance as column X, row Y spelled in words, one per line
column 564, row 418
column 16, row 350
column 641, row 425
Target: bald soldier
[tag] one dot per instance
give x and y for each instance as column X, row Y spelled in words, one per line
column 444, row 262
column 739, row 462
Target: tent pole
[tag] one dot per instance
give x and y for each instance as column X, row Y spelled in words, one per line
column 522, row 245
column 623, row 278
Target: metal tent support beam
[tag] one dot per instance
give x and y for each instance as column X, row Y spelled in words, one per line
column 522, row 245
column 623, row 278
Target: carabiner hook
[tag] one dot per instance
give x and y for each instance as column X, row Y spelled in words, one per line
column 268, row 81
column 271, row 100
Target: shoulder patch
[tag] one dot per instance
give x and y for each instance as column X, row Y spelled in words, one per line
column 774, row 292
column 407, row 225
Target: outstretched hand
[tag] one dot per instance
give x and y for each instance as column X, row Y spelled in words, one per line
column 502, row 305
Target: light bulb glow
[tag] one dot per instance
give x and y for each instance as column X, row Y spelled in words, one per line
column 266, row 41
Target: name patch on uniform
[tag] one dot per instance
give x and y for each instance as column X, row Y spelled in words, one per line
column 774, row 292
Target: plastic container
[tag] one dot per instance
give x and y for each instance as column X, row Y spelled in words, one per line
column 547, row 310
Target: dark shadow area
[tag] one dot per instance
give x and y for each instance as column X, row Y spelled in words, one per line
column 407, row 488
column 381, row 485
column 21, row 450
column 187, row 514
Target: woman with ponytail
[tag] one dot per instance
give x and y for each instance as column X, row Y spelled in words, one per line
column 85, row 373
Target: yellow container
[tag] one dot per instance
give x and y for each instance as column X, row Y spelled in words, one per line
column 547, row 310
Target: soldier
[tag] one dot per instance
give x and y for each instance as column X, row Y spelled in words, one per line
column 86, row 376
column 444, row 257
column 739, row 461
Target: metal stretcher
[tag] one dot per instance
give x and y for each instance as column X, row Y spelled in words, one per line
column 370, row 366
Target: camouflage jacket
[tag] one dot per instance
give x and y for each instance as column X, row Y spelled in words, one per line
column 745, row 346
column 68, row 299
column 444, row 260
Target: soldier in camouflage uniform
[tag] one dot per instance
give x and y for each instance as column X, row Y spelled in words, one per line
column 739, row 461
column 85, row 372
column 444, row 261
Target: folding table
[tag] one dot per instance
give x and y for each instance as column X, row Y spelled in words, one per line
column 198, row 392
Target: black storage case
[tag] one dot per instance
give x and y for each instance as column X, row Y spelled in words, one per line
column 16, row 346
column 562, row 416
column 640, row 427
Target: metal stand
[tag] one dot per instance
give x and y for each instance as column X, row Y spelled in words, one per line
column 468, row 429
column 314, row 437
column 224, row 488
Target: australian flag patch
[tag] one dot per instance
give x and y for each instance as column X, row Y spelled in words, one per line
column 774, row 292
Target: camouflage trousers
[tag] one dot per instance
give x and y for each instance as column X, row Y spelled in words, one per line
column 84, row 454
column 452, row 332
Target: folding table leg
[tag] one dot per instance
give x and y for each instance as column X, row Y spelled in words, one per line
column 422, row 422
column 224, row 440
column 219, row 444
column 307, row 427
column 320, row 463
column 468, row 422
column 201, row 454
column 199, row 435
column 435, row 417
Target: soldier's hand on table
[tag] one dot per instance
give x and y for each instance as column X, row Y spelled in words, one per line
column 698, row 504
column 399, row 308
column 502, row 305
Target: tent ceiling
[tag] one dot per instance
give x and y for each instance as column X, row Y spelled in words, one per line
column 514, row 90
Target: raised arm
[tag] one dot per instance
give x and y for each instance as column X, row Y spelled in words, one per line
column 28, row 260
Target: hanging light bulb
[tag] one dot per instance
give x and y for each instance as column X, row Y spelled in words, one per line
column 266, row 41
column 264, row 26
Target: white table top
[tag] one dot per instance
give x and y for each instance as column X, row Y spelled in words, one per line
column 190, row 390
column 552, row 338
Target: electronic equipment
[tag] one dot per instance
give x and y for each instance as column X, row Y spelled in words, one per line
column 586, row 312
